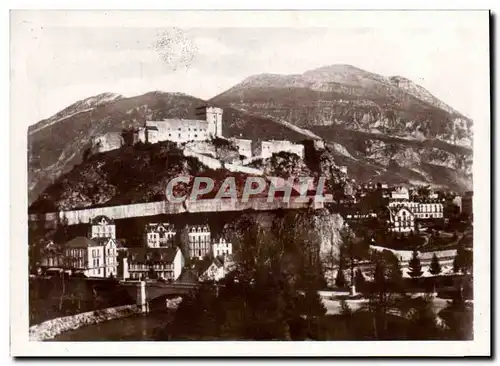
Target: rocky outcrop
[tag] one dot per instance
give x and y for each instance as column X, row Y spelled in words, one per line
column 327, row 227
column 420, row 93
column 51, row 328
column 381, row 128
column 77, row 125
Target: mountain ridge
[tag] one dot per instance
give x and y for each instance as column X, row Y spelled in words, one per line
column 346, row 95
column 399, row 122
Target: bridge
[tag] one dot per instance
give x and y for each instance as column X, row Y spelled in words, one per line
column 146, row 292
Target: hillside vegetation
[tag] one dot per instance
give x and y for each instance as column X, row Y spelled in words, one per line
column 54, row 148
column 385, row 129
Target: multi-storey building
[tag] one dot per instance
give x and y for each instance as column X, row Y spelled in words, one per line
column 400, row 193
column 421, row 210
column 467, row 203
column 401, row 219
column 102, row 227
column 51, row 257
column 152, row 263
column 93, row 257
column 182, row 130
column 199, row 241
column 221, row 247
column 160, row 235
column 429, row 210
column 215, row 271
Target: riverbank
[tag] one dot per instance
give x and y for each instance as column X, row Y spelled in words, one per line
column 143, row 327
column 55, row 297
column 51, row 328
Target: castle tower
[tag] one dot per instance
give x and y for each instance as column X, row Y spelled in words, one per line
column 213, row 116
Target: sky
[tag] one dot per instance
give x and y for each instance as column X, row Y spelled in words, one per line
column 60, row 57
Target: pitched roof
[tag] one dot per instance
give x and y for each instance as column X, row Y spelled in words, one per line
column 151, row 128
column 102, row 241
column 120, row 243
column 81, row 242
column 97, row 220
column 396, row 209
column 188, row 276
column 159, row 226
column 143, row 255
column 175, row 123
column 200, row 266
column 220, row 238
column 219, row 262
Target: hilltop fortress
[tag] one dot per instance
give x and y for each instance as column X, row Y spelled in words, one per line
column 184, row 130
column 206, row 127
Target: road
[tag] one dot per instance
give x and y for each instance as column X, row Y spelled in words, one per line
column 333, row 306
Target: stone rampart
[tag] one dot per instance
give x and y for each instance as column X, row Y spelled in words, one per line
column 83, row 216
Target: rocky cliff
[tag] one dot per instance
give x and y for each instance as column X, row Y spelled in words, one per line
column 357, row 99
column 382, row 128
column 61, row 142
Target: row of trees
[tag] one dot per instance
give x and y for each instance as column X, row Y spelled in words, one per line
column 350, row 253
column 462, row 264
column 388, row 301
column 272, row 294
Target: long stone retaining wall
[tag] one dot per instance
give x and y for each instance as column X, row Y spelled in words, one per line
column 83, row 216
column 51, row 328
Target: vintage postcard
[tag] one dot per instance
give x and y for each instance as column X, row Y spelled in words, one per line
column 272, row 183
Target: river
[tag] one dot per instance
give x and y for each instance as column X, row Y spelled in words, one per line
column 134, row 328
column 144, row 327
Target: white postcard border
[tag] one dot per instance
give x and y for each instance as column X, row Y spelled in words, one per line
column 20, row 345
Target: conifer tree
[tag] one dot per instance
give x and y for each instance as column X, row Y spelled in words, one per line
column 340, row 279
column 359, row 279
column 463, row 260
column 435, row 267
column 379, row 278
column 395, row 273
column 394, row 269
column 415, row 266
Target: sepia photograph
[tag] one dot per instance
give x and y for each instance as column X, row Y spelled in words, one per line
column 284, row 178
